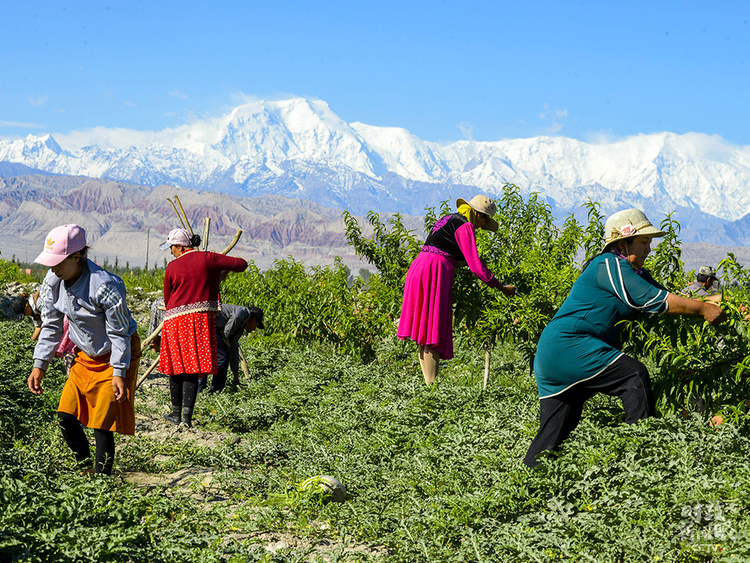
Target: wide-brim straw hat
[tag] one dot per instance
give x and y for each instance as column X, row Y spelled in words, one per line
column 483, row 204
column 628, row 224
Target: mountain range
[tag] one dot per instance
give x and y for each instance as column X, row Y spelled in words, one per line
column 300, row 148
column 127, row 222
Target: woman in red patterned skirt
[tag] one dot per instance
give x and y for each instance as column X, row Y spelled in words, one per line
column 188, row 340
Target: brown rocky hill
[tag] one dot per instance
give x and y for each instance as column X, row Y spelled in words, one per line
column 124, row 220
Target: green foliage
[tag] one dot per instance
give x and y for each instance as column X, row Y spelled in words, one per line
column 434, row 474
column 664, row 262
column 530, row 252
column 9, row 271
column 593, row 236
column 138, row 280
column 22, row 414
column 734, row 274
column 694, row 366
column 391, row 248
column 314, row 306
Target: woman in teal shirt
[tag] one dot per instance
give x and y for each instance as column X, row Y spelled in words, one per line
column 579, row 353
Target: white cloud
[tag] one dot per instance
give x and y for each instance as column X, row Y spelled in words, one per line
column 240, row 98
column 177, row 94
column 106, row 138
column 554, row 118
column 21, row 124
column 38, row 101
column 466, row 130
column 602, row 137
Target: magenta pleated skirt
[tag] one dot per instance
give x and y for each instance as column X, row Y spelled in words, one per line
column 427, row 310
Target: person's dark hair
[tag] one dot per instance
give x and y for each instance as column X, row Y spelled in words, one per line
column 703, row 278
column 18, row 305
column 195, row 241
column 607, row 250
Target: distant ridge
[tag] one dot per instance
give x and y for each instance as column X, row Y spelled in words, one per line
column 118, row 216
column 300, row 148
column 122, row 218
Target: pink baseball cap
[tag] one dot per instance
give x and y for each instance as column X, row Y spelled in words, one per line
column 60, row 243
column 176, row 236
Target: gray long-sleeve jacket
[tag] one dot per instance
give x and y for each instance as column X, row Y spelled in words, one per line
column 230, row 325
column 99, row 321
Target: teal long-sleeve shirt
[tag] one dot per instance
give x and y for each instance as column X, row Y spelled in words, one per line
column 583, row 337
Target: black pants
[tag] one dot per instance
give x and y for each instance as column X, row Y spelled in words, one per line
column 218, row 381
column 183, row 388
column 625, row 378
column 74, row 436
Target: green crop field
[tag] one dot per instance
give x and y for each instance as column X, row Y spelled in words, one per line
column 432, row 474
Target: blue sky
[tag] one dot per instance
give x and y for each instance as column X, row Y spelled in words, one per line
column 445, row 70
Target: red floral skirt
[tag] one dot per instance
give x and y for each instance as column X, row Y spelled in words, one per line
column 188, row 344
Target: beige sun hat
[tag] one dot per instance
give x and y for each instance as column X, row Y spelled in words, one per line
column 629, row 223
column 483, row 204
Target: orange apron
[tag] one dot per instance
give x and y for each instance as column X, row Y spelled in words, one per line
column 88, row 393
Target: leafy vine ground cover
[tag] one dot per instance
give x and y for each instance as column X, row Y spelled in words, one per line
column 434, row 474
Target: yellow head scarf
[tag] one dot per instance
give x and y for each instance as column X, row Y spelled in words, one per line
column 469, row 212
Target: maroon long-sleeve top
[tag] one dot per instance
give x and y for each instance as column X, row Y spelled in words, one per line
column 191, row 282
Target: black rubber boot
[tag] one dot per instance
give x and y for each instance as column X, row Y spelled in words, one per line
column 174, row 416
column 175, row 393
column 187, row 416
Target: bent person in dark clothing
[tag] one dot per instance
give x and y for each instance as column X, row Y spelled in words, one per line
column 231, row 323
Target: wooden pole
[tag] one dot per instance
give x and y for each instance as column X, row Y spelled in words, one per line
column 151, row 368
column 177, row 212
column 206, row 228
column 187, row 221
column 234, row 242
column 487, row 350
column 243, row 364
column 151, row 337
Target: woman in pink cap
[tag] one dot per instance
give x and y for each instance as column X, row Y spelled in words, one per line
column 101, row 383
column 191, row 296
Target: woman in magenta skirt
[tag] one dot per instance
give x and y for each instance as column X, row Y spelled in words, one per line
column 427, row 311
column 188, row 340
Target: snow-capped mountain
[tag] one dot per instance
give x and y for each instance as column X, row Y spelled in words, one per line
column 301, row 148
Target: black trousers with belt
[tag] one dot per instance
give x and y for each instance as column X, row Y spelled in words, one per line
column 625, row 378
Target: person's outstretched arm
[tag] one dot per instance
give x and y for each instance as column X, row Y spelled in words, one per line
column 710, row 311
